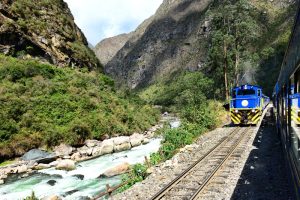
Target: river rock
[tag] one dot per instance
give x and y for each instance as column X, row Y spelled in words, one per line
column 121, row 140
column 52, row 197
column 71, row 192
column 97, row 151
column 136, row 139
column 1, row 182
column 35, row 154
column 76, row 156
column 146, row 141
column 85, row 151
column 79, row 176
column 63, row 150
column 21, row 169
column 107, row 146
column 117, row 170
column 66, row 165
column 42, row 166
column 92, row 143
column 122, row 147
column 51, row 182
column 53, row 164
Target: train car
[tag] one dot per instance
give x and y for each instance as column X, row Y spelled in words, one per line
column 286, row 99
column 247, row 104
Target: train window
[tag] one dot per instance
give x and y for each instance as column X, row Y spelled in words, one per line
column 259, row 92
column 246, row 92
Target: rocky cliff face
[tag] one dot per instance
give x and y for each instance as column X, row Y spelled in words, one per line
column 107, row 48
column 176, row 38
column 43, row 29
column 171, row 40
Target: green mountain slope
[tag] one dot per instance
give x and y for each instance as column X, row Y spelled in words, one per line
column 42, row 105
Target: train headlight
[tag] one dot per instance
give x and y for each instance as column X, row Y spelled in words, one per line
column 253, row 110
column 236, row 111
column 245, row 103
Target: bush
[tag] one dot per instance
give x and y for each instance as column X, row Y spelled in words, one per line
column 62, row 105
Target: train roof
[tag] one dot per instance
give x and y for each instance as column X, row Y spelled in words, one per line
column 248, row 86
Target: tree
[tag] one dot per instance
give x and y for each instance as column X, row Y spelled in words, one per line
column 233, row 30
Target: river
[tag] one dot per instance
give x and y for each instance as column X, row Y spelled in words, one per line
column 81, row 182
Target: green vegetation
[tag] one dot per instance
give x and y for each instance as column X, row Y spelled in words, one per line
column 41, row 104
column 31, row 197
column 248, row 41
column 46, row 19
column 7, row 162
column 137, row 174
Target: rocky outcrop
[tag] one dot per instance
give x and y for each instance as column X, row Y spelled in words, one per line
column 175, row 38
column 44, row 30
column 35, row 154
column 107, row 48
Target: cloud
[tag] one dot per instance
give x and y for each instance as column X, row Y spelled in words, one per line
column 99, row 19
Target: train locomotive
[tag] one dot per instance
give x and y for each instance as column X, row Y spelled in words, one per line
column 247, row 104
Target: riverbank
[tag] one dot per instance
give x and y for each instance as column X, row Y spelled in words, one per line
column 67, row 156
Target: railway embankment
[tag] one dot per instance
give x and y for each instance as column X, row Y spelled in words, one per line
column 258, row 167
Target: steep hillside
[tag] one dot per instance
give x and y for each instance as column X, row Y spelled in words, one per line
column 43, row 105
column 181, row 36
column 171, row 40
column 107, row 48
column 46, row 30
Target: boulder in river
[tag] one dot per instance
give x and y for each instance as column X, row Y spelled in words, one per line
column 66, row 165
column 136, row 139
column 79, row 176
column 42, row 166
column 63, row 150
column 122, row 147
column 117, row 170
column 121, row 140
column 92, row 143
column 76, row 156
column 52, row 197
column 51, row 182
column 107, row 146
column 35, row 154
column 22, row 169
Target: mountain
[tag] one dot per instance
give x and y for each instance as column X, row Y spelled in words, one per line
column 180, row 35
column 163, row 44
column 45, row 30
column 107, row 48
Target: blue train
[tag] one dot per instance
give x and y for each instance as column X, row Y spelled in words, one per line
column 247, row 104
column 286, row 99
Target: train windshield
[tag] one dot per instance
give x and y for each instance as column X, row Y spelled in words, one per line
column 246, row 92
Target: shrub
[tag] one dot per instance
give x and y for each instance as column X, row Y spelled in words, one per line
column 62, row 105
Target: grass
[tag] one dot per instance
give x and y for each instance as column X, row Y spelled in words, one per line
column 7, row 162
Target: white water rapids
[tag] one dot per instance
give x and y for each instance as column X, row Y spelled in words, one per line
column 69, row 185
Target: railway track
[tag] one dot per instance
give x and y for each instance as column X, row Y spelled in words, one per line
column 202, row 178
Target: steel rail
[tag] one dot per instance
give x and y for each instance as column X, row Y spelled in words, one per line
column 210, row 177
column 169, row 186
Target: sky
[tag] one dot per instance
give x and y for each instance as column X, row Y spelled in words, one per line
column 99, row 19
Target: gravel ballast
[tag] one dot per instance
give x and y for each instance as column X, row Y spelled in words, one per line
column 259, row 174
